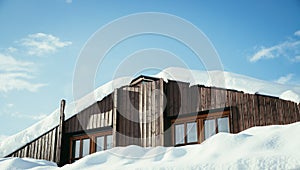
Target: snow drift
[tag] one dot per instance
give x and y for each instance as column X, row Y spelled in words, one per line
column 208, row 78
column 269, row 147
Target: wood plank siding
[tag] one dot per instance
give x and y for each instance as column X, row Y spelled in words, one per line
column 98, row 115
column 142, row 113
column 247, row 110
column 139, row 110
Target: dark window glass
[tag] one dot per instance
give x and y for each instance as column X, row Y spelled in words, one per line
column 192, row 135
column 100, row 143
column 179, row 134
column 109, row 142
column 223, row 124
column 209, row 128
column 76, row 148
column 85, row 147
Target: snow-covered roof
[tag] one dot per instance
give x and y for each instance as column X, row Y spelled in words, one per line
column 215, row 78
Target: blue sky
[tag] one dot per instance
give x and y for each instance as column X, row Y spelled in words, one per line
column 41, row 40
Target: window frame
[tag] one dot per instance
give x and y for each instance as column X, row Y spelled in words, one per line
column 104, row 141
column 199, row 119
column 80, row 138
column 93, row 143
column 185, row 133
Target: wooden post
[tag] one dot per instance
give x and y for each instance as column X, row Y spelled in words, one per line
column 161, row 112
column 153, row 116
column 60, row 131
column 114, row 123
column 144, row 115
column 140, row 114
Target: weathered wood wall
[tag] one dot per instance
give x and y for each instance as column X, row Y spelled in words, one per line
column 247, row 110
column 97, row 115
column 141, row 118
column 43, row 147
column 139, row 109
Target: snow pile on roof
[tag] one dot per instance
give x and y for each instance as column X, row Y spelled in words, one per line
column 208, row 78
column 269, row 147
column 234, row 81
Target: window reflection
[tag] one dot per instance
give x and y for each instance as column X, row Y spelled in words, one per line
column 100, row 143
column 209, row 128
column 109, row 142
column 179, row 134
column 192, row 135
column 76, row 148
column 85, row 147
column 223, row 124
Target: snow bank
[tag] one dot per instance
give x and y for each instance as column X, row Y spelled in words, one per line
column 208, row 78
column 269, row 147
column 25, row 163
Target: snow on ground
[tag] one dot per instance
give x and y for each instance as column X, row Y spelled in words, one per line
column 269, row 147
column 208, row 78
column 24, row 163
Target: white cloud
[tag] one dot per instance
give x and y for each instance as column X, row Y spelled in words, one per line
column 12, row 49
column 289, row 49
column 8, row 63
column 9, row 109
column 40, row 44
column 297, row 33
column 10, row 105
column 69, row 1
column 285, row 79
column 286, row 49
column 16, row 75
column 18, row 81
column 296, row 59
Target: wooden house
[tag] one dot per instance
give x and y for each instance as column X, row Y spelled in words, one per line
column 151, row 112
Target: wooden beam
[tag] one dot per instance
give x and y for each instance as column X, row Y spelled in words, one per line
column 161, row 112
column 144, row 115
column 114, row 123
column 140, row 114
column 153, row 116
column 60, row 131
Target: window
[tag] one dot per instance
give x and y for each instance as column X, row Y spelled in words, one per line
column 109, row 142
column 85, row 144
column 191, row 130
column 209, row 128
column 192, row 134
column 80, row 147
column 103, row 142
column 216, row 125
column 85, row 147
column 76, row 149
column 186, row 133
column 99, row 143
column 223, row 124
column 179, row 134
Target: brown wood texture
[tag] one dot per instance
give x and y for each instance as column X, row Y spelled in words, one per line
column 137, row 114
